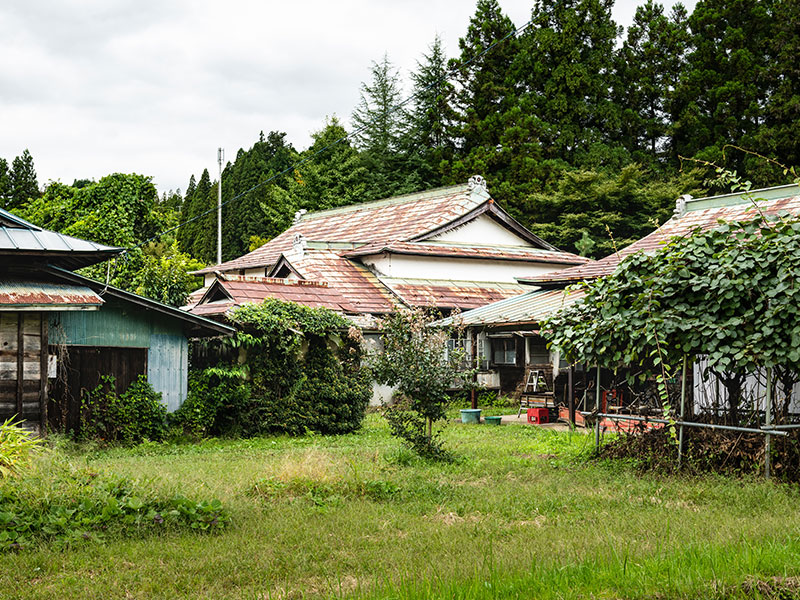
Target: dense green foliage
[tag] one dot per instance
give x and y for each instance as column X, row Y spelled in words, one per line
column 60, row 504
column 133, row 416
column 298, row 369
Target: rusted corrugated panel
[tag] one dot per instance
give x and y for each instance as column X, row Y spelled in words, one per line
column 464, row 295
column 681, row 226
column 402, row 217
column 21, row 293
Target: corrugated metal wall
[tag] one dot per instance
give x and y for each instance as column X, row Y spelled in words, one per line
column 120, row 324
column 168, row 367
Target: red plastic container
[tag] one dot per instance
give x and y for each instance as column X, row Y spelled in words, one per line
column 538, row 415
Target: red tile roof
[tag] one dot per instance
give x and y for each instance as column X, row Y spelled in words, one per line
column 243, row 290
column 362, row 289
column 518, row 253
column 402, row 217
column 680, row 226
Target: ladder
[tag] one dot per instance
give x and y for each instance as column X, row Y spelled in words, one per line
column 535, row 381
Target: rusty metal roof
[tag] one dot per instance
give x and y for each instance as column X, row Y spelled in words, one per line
column 362, row 289
column 21, row 294
column 463, row 295
column 525, row 309
column 452, row 250
column 401, row 217
column 20, row 238
column 697, row 213
column 232, row 291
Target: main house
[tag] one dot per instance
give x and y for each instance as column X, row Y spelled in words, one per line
column 447, row 249
column 60, row 332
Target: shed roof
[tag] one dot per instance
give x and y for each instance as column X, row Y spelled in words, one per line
column 24, row 293
column 691, row 214
column 521, row 310
column 19, row 238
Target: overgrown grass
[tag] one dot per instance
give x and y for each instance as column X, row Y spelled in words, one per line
column 522, row 513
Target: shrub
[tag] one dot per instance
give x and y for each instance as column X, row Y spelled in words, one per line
column 135, row 415
column 16, row 447
column 300, row 375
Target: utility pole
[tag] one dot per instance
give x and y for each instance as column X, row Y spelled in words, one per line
column 220, row 158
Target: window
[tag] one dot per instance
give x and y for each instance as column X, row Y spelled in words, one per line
column 464, row 348
column 504, row 351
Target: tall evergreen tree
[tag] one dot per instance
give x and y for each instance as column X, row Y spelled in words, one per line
column 722, row 95
column 566, row 64
column 197, row 237
column 5, row 184
column 24, row 185
column 779, row 137
column 427, row 138
column 648, row 67
column 378, row 123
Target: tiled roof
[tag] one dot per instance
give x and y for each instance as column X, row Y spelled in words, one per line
column 524, row 309
column 464, row 295
column 518, row 253
column 683, row 225
column 362, row 289
column 243, row 290
column 403, row 217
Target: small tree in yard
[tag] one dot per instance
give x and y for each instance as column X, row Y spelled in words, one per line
column 415, row 360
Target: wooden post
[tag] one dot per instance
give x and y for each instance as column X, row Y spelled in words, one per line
column 20, row 361
column 597, row 410
column 768, row 440
column 43, row 364
column 683, row 410
column 571, row 394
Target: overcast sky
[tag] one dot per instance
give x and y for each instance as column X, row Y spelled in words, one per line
column 93, row 87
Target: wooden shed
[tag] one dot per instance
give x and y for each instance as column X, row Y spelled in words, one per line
column 60, row 332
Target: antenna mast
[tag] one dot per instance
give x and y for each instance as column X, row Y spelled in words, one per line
column 220, row 158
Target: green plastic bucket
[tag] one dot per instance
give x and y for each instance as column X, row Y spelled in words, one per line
column 471, row 415
column 492, row 420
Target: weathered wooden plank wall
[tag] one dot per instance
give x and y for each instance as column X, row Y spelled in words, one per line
column 23, row 366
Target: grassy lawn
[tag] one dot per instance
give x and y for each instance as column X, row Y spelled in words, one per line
column 521, row 514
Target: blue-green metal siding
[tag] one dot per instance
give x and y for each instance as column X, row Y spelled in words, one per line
column 119, row 324
column 168, row 367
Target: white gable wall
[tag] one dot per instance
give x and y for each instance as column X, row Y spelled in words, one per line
column 455, row 269
column 483, row 230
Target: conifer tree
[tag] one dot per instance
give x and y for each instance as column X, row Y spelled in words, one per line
column 24, row 185
column 427, row 138
column 566, row 64
column 5, row 184
column 721, row 97
column 648, row 67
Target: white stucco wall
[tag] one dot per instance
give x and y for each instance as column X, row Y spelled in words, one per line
column 455, row 269
column 483, row 230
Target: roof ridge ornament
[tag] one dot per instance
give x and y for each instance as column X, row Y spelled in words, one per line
column 477, row 182
column 680, row 204
column 298, row 216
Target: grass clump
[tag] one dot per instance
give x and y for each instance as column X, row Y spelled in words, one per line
column 17, row 447
column 59, row 503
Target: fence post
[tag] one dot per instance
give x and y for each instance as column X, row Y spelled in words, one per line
column 597, row 408
column 768, row 440
column 683, row 409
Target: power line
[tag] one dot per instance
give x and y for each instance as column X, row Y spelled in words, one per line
column 449, row 73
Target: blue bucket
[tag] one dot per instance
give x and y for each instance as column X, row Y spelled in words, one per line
column 471, row 415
